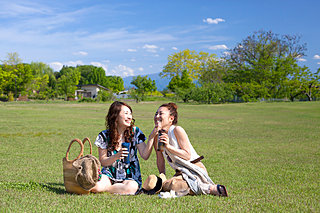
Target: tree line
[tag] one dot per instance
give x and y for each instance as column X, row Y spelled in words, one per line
column 38, row 80
column 263, row 66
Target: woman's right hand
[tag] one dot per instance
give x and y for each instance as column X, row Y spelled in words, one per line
column 123, row 152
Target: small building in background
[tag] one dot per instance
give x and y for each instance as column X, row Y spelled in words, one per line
column 122, row 95
column 89, row 90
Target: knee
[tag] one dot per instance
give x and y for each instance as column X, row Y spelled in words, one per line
column 102, row 185
column 131, row 187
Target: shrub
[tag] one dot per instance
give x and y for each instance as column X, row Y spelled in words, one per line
column 104, row 96
column 212, row 93
column 88, row 100
column 3, row 98
column 10, row 96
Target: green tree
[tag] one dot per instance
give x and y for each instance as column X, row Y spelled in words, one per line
column 264, row 60
column 67, row 82
column 182, row 86
column 91, row 75
column 96, row 75
column 85, row 70
column 115, row 83
column 183, row 82
column 213, row 72
column 12, row 59
column 40, row 69
column 16, row 77
column 143, row 85
column 303, row 83
column 6, row 77
column 43, row 82
column 190, row 61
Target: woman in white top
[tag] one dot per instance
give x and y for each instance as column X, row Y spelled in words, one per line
column 181, row 155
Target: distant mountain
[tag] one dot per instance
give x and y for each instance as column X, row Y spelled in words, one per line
column 161, row 83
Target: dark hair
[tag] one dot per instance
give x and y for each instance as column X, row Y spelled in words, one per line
column 172, row 107
column 112, row 125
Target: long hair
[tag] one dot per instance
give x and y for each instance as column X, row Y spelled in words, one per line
column 172, row 107
column 112, row 125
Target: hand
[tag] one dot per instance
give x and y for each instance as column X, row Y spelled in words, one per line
column 157, row 127
column 164, row 138
column 123, row 152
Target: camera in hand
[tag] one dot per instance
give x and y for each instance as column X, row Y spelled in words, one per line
column 160, row 144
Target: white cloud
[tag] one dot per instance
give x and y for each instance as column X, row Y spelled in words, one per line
column 140, row 69
column 74, row 63
column 213, row 21
column 132, row 50
column 150, row 48
column 122, row 70
column 10, row 9
column 316, row 57
column 82, row 53
column 40, row 32
column 132, row 59
column 56, row 66
column 318, row 63
column 218, row 47
column 301, row 59
column 226, row 53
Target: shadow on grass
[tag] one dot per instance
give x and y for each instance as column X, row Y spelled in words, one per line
column 57, row 188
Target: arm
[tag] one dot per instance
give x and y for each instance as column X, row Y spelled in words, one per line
column 108, row 161
column 185, row 151
column 145, row 149
column 160, row 160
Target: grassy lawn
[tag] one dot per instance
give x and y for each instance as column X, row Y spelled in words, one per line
column 266, row 154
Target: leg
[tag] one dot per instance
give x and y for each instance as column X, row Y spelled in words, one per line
column 176, row 184
column 102, row 185
column 128, row 187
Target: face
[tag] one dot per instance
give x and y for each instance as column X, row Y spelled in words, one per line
column 124, row 117
column 163, row 117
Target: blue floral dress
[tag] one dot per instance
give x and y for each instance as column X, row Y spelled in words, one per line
column 120, row 171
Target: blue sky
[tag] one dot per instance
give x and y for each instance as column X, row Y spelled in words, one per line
column 135, row 37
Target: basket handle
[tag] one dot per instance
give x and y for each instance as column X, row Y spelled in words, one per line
column 81, row 151
column 87, row 139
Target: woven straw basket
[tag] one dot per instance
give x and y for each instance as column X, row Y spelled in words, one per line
column 70, row 172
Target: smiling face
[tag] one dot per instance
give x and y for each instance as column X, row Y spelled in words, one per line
column 163, row 117
column 125, row 117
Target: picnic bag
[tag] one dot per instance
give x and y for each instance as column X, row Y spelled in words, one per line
column 81, row 174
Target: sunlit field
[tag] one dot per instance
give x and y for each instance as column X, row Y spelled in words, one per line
column 266, row 154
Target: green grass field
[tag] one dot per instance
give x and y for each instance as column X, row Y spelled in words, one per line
column 266, row 154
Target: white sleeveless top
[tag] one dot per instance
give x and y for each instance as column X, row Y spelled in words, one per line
column 173, row 141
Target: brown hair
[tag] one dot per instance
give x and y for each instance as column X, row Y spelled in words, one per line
column 172, row 107
column 112, row 125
